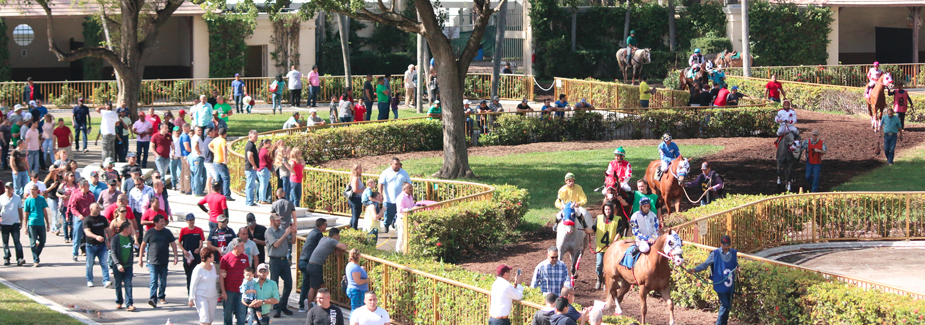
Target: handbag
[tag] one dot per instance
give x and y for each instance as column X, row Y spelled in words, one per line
column 274, row 87
column 348, row 192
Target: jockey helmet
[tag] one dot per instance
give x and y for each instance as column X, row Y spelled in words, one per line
column 666, row 137
column 876, row 63
column 633, row 31
column 644, row 200
column 620, row 151
column 696, row 51
column 569, row 176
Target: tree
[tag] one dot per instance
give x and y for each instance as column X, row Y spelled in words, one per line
column 500, row 23
column 451, row 68
column 672, row 27
column 343, row 28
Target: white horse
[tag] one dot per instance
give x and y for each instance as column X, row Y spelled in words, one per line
column 572, row 240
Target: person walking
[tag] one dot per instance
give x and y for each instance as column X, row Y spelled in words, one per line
column 96, row 228
column 357, row 279
column 220, row 152
column 203, row 294
column 257, row 234
column 901, row 103
column 892, row 127
column 179, row 163
column 154, row 245
column 356, row 192
column 503, row 295
column 32, row 138
column 815, row 149
column 162, row 143
column 63, row 138
column 405, row 202
column 724, row 263
column 369, row 93
column 143, row 129
column 217, row 206
column 382, row 97
column 391, row 181
column 280, row 241
column 774, row 90
column 267, row 293
column 323, row 313
column 232, row 265
column 19, row 162
column 295, row 87
column 250, row 168
column 81, row 123
column 11, row 221
column 238, row 90
column 314, row 81
column 37, row 210
column 78, row 207
column 410, row 85
column 108, row 130
column 123, row 129
column 191, row 241
column 311, row 242
column 121, row 245
column 370, row 313
column 550, row 274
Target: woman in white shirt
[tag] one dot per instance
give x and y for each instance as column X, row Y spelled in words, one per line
column 203, row 293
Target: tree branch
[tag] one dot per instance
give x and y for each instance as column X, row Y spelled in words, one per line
column 388, row 18
column 382, row 8
column 96, row 52
column 484, row 12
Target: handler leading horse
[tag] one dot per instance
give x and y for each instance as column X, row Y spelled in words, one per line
column 651, row 272
column 669, row 187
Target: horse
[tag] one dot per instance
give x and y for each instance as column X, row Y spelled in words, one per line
column 728, row 59
column 670, row 187
column 572, row 240
column 652, row 271
column 786, row 159
column 640, row 57
column 702, row 76
column 876, row 101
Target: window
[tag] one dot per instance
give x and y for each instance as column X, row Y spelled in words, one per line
column 23, row 35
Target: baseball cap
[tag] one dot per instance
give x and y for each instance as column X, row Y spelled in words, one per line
column 502, row 269
column 644, row 200
column 725, row 240
column 113, row 182
column 190, row 216
column 466, row 102
column 237, row 74
column 94, row 173
column 136, row 170
column 263, row 267
column 80, row 99
column 222, row 218
column 120, row 110
column 176, row 128
column 108, row 161
column 182, row 112
column 32, row 103
column 17, row 107
column 251, row 220
column 704, row 165
column 735, row 87
column 130, row 154
column 274, row 216
column 437, row 101
column 8, row 184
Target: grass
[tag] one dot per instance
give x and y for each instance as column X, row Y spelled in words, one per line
column 19, row 309
column 542, row 173
column 905, row 175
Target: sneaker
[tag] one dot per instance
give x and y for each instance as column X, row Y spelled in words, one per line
column 6, row 262
column 21, row 262
column 152, row 303
column 301, row 309
column 36, row 264
column 90, row 284
column 163, row 301
column 230, row 199
column 276, row 313
column 108, row 285
column 74, row 258
column 287, row 312
column 130, row 308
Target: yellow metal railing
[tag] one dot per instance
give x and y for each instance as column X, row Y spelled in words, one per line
column 912, row 74
column 612, row 95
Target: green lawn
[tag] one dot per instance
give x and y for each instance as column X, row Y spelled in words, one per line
column 19, row 309
column 542, row 173
column 905, row 175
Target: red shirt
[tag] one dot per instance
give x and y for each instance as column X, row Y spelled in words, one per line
column 263, row 159
column 162, row 145
column 64, row 136
column 217, row 204
column 155, row 123
column 149, row 216
column 234, row 266
column 721, row 97
column 774, row 88
column 360, row 113
column 80, row 202
column 110, row 212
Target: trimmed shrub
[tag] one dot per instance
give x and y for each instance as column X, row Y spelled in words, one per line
column 711, row 44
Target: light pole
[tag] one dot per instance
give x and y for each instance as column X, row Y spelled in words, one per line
column 746, row 57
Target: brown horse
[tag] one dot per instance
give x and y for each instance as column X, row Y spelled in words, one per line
column 669, row 188
column 684, row 82
column 728, row 59
column 652, row 271
column 876, row 102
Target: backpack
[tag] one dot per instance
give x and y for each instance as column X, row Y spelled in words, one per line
column 274, row 87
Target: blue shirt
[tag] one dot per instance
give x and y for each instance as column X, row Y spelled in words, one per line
column 184, row 140
column 351, row 284
column 81, row 115
column 668, row 152
column 392, row 183
column 238, row 87
column 97, row 189
column 248, row 285
column 549, row 278
column 890, row 125
column 561, row 104
column 33, row 207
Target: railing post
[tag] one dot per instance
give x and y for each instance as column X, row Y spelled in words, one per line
column 436, row 302
column 908, row 222
column 812, row 225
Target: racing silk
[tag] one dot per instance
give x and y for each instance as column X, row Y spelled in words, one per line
column 695, row 59
column 901, row 100
column 874, row 74
column 618, row 172
column 667, row 153
column 606, row 233
column 645, row 226
column 575, row 195
column 785, row 116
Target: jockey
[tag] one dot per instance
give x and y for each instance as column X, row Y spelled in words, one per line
column 787, row 118
column 645, row 225
column 571, row 198
column 872, row 76
column 696, row 59
column 630, row 45
column 667, row 151
column 618, row 172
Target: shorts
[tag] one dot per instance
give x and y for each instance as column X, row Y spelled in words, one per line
column 315, row 275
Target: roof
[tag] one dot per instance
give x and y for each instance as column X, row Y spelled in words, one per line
column 857, row 3
column 64, row 8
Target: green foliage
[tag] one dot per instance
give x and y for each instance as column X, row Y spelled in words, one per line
column 66, row 97
column 107, row 92
column 373, row 62
column 711, row 44
column 723, row 204
column 6, row 71
column 227, row 48
column 784, row 33
column 93, row 37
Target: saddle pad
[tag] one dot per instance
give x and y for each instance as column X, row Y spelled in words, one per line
column 629, row 260
column 736, row 56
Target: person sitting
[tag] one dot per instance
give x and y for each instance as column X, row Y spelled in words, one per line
column 507, row 68
column 619, row 171
column 523, row 107
column 570, row 199
column 293, row 122
column 667, row 151
column 435, row 112
column 695, row 61
column 872, row 76
column 709, row 181
column 583, row 104
column 313, row 118
column 787, row 118
column 644, row 224
column 732, row 99
column 630, row 45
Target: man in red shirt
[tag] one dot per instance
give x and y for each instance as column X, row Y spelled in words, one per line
column 78, row 206
column 161, row 141
column 774, row 90
column 147, row 218
column 121, row 203
column 218, row 205
column 64, row 137
column 721, row 97
column 232, row 266
column 154, row 119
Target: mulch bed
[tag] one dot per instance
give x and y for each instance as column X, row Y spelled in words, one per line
column 746, row 163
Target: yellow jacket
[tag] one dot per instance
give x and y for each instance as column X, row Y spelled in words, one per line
column 575, row 195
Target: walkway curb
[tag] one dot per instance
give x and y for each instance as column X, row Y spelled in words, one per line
column 50, row 304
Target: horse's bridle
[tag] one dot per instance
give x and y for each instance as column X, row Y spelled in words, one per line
column 672, row 172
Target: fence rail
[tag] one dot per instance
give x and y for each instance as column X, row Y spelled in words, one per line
column 178, row 92
column 615, row 95
column 912, row 74
column 816, row 217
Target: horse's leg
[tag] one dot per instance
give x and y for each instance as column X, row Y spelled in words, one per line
column 677, row 205
column 666, row 294
column 624, row 288
column 643, row 292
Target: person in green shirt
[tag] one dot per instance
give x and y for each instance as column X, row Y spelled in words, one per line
column 223, row 108
column 643, row 190
column 630, row 45
column 645, row 93
column 37, row 209
column 15, row 132
column 267, row 292
column 382, row 97
column 435, row 112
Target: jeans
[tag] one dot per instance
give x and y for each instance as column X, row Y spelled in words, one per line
column 313, row 97
column 34, row 160
column 600, row 263
column 78, row 235
column 812, row 176
column 163, row 166
column 233, row 307
column 249, row 186
column 277, row 102
column 707, row 198
column 346, row 119
column 356, row 207
column 141, row 152
column 395, row 112
column 123, row 280
column 296, row 193
column 390, row 210
column 77, row 130
column 383, row 111
column 56, row 217
column 222, row 172
column 36, row 241
column 280, row 268
column 238, row 103
column 263, row 177
column 369, row 109
column 20, row 179
column 176, row 174
column 100, row 252
column 286, row 185
column 67, row 227
column 14, row 231
column 303, row 293
column 889, row 146
column 48, row 149
column 902, row 119
column 499, row 321
column 198, row 177
column 158, row 282
column 725, row 305
column 5, row 155
column 122, row 149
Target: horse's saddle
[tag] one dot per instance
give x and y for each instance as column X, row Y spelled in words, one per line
column 630, row 257
column 689, row 73
column 735, row 56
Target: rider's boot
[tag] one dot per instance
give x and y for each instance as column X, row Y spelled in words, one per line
column 600, row 281
column 867, row 92
column 658, row 173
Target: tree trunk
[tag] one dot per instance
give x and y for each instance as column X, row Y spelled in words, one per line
column 452, row 76
column 626, row 24
column 129, row 82
column 343, row 27
column 672, row 28
column 500, row 24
